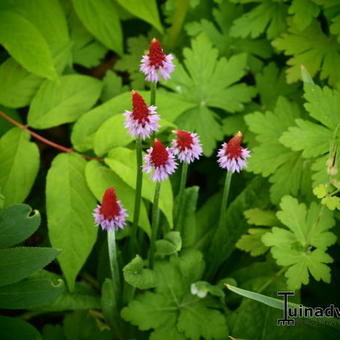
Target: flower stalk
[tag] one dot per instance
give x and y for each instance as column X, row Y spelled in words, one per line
column 225, row 197
column 180, row 197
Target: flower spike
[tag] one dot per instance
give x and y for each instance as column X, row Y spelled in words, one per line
column 110, row 215
column 159, row 160
column 156, row 64
column 232, row 156
column 142, row 121
column 186, row 146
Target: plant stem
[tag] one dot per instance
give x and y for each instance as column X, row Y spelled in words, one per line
column 153, row 93
column 225, row 197
column 43, row 139
column 111, row 243
column 138, row 195
column 177, row 20
column 155, row 222
column 182, row 184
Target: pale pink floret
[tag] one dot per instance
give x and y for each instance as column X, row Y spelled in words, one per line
column 142, row 129
column 233, row 164
column 153, row 73
column 118, row 222
column 188, row 153
column 161, row 172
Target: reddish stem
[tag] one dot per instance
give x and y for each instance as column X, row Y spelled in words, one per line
column 43, row 139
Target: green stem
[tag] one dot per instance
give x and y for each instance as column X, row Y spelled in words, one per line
column 155, row 223
column 182, row 185
column 225, row 197
column 111, row 242
column 153, row 93
column 138, row 195
column 177, row 20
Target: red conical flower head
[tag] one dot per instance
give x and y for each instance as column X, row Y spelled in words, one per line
column 156, row 54
column 110, row 207
column 159, row 154
column 233, row 149
column 184, row 139
column 140, row 110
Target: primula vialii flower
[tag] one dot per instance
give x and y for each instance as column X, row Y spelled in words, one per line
column 186, row 146
column 143, row 120
column 110, row 215
column 156, row 63
column 159, row 160
column 232, row 156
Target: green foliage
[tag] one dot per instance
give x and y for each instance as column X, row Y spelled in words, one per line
column 303, row 247
column 171, row 244
column 14, row 328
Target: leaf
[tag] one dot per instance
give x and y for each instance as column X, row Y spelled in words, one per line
column 18, row 263
column 144, row 9
column 320, row 191
column 19, row 159
column 209, row 82
column 171, row 244
column 69, row 206
column 137, row 276
column 17, row 224
column 112, row 86
column 17, row 85
column 31, row 293
column 170, row 105
column 252, row 243
column 268, row 16
column 102, row 21
column 310, row 138
column 260, row 217
column 26, row 45
column 320, row 54
column 99, row 178
column 123, row 163
column 64, row 101
column 304, row 12
column 331, row 202
column 15, row 328
column 294, row 248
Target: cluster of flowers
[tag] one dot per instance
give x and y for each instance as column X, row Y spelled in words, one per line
column 142, row 122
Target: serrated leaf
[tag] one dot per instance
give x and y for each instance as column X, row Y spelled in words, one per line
column 137, row 276
column 252, row 242
column 171, row 244
column 19, row 159
column 260, row 217
column 123, row 163
column 304, row 11
column 99, row 178
column 320, row 191
column 17, row 223
column 332, row 202
column 69, row 207
column 63, row 101
column 101, row 19
column 18, row 263
column 26, row 44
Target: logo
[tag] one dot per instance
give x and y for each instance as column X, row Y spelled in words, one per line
column 299, row 311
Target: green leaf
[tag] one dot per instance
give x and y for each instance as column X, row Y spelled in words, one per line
column 144, row 9
column 320, row 191
column 31, row 293
column 293, row 248
column 69, row 207
column 331, row 202
column 310, row 138
column 101, row 19
column 304, row 11
column 269, row 16
column 260, row 217
column 171, row 244
column 209, row 82
column 19, row 159
column 17, row 224
column 17, row 85
column 18, row 263
column 123, row 163
column 26, row 45
column 15, row 328
column 137, row 276
column 63, row 101
column 252, row 242
column 99, row 178
column 112, row 86
column 320, row 54
column 170, row 105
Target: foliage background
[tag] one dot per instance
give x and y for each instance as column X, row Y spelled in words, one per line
column 66, row 71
